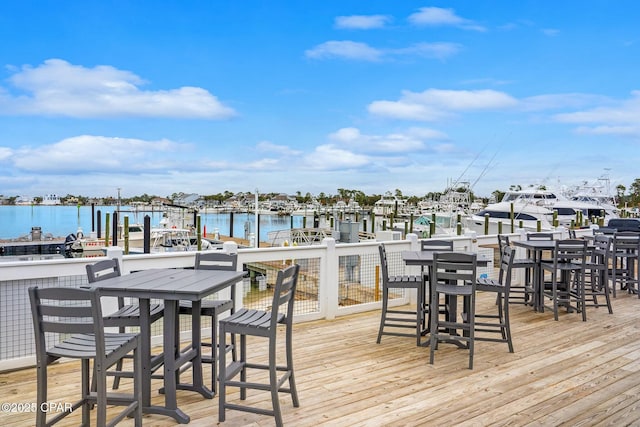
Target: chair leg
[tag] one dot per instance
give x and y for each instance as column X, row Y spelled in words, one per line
column 214, row 348
column 472, row 326
column 292, row 379
column 419, row 314
column 606, row 290
column 116, row 379
column 222, row 389
column 243, row 361
column 273, row 380
column 137, row 385
column 433, row 339
column 507, row 323
column 383, row 314
column 41, row 416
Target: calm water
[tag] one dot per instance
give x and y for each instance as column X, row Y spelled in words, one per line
column 60, row 221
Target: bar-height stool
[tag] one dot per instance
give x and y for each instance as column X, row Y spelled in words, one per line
column 433, row 245
column 453, row 275
column 74, row 318
column 624, row 259
column 396, row 318
column 498, row 323
column 259, row 323
column 213, row 308
column 567, row 270
column 597, row 266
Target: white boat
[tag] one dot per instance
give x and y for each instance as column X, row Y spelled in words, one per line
column 389, row 204
column 567, row 210
column 526, row 214
column 597, row 197
column 79, row 243
column 177, row 240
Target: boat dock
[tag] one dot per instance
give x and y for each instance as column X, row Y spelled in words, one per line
column 40, row 247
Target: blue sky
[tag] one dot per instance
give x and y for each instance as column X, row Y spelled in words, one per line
column 160, row 97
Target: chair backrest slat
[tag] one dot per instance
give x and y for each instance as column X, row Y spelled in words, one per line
column 436, row 245
column 104, row 269
column 539, row 236
column 570, row 250
column 458, row 266
column 626, row 241
column 213, row 260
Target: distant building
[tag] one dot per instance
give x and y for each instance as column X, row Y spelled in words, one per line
column 24, row 200
column 51, row 199
column 191, row 200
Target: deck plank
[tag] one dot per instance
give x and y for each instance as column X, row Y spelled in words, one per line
column 567, row 372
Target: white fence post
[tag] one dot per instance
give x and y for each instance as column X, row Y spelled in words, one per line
column 329, row 281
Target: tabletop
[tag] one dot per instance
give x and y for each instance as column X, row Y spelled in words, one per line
column 535, row 244
column 169, row 284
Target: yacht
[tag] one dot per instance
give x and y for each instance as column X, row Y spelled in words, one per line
column 527, row 214
column 389, row 204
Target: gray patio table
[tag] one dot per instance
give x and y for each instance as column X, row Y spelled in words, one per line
column 171, row 286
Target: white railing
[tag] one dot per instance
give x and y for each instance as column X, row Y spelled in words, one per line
column 336, row 280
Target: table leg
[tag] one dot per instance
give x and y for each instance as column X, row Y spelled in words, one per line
column 193, row 354
column 145, row 350
column 171, row 351
column 538, row 281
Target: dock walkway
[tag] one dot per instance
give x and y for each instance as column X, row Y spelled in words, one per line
column 565, row 372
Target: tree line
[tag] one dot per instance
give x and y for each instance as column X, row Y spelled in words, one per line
column 626, row 197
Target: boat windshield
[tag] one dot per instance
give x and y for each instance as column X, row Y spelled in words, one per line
column 506, row 215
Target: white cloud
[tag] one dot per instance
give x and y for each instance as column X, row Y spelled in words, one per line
column 406, row 142
column 100, row 154
column 59, row 88
column 626, row 112
column 330, row 157
column 436, row 16
column 5, row 153
column 265, row 164
column 361, row 22
column 561, row 101
column 436, row 104
column 269, row 147
column 633, row 131
column 344, row 49
column 348, row 49
column 462, row 100
column 439, row 50
column 551, row 32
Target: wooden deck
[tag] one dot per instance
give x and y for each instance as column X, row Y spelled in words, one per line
column 567, row 372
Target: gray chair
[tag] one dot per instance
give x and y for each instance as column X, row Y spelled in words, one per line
column 624, row 259
column 74, row 317
column 597, row 273
column 213, row 308
column 520, row 294
column 259, row 323
column 453, row 275
column 498, row 323
column 394, row 320
column 127, row 315
column 567, row 270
